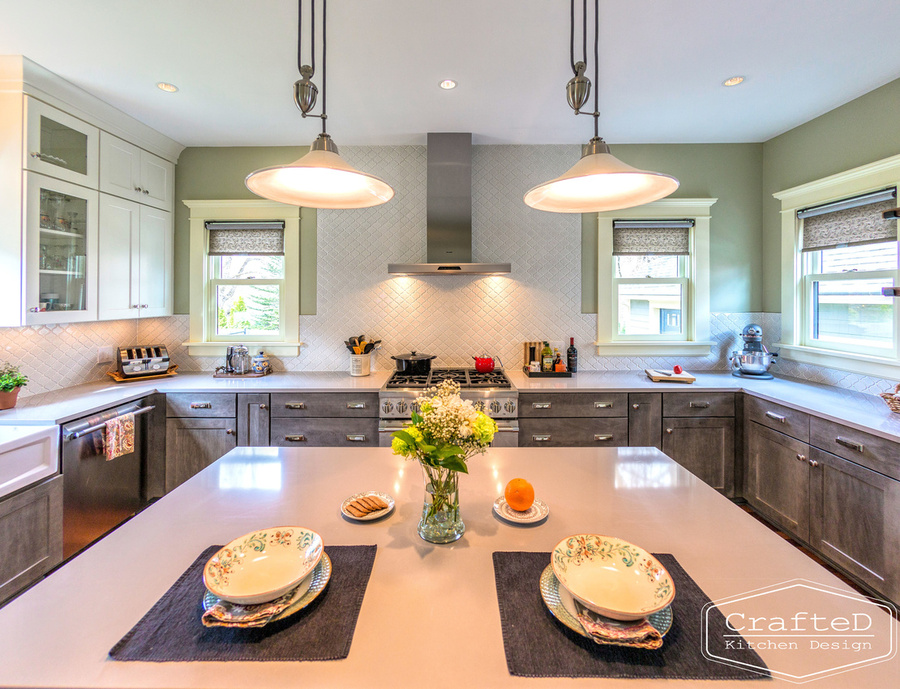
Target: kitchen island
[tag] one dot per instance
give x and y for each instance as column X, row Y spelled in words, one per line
column 59, row 632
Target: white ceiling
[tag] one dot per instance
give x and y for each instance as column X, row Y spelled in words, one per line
column 662, row 64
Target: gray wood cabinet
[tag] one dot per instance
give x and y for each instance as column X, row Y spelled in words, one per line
column 703, row 446
column 573, row 419
column 31, row 541
column 253, row 420
column 194, row 444
column 645, row 419
column 324, row 419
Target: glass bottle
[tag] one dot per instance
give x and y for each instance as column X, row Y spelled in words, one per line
column 546, row 358
column 572, row 356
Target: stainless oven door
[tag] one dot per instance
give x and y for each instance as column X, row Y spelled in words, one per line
column 507, row 432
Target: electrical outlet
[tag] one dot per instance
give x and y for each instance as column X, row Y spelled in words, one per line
column 105, row 354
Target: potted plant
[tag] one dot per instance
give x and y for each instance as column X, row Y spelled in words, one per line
column 11, row 381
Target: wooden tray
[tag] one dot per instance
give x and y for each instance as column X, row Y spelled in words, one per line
column 119, row 379
column 548, row 374
column 657, row 377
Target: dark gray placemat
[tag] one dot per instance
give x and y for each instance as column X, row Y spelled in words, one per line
column 538, row 645
column 172, row 630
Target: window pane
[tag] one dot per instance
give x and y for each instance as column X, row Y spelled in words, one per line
column 650, row 309
column 248, row 309
column 852, row 312
column 647, row 266
column 250, row 267
column 881, row 256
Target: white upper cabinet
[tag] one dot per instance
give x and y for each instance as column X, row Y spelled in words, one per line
column 157, row 258
column 59, row 145
column 135, row 174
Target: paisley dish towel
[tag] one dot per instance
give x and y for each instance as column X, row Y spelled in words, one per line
column 119, row 436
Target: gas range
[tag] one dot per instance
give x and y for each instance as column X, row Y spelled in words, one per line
column 492, row 393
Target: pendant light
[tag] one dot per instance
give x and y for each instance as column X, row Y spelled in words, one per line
column 599, row 181
column 321, row 178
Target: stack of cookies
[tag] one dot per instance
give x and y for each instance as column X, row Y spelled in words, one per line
column 360, row 507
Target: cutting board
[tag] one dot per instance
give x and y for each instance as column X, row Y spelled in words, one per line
column 658, row 376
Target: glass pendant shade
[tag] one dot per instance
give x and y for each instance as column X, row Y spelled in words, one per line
column 600, row 182
column 320, row 179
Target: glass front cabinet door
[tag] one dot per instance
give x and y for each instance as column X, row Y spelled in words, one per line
column 60, row 251
column 60, row 145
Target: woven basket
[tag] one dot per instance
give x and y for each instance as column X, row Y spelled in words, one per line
column 892, row 399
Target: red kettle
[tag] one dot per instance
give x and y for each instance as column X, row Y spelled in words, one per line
column 485, row 364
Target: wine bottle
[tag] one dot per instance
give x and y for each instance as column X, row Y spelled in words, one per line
column 572, row 356
column 546, row 358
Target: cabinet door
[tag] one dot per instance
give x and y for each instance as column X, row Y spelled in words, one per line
column 118, row 280
column 60, row 145
column 645, row 419
column 155, row 263
column 194, row 444
column 120, row 168
column 306, row 432
column 705, row 447
column 60, row 259
column 253, row 420
column 778, row 479
column 573, row 432
column 855, row 520
column 157, row 181
column 31, row 541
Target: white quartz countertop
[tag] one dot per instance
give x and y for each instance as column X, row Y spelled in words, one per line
column 424, row 604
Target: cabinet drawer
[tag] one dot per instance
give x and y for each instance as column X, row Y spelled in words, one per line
column 188, row 404
column 570, row 432
column 865, row 449
column 581, row 404
column 324, row 432
column 783, row 419
column 698, row 404
column 316, row 404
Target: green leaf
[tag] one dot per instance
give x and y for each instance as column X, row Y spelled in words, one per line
column 416, row 419
column 405, row 437
column 454, row 463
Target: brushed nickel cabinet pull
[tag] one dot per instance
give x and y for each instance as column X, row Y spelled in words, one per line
column 201, row 405
column 635, row 406
column 602, row 405
column 813, row 462
column 852, row 444
column 777, row 417
column 295, row 438
column 295, row 405
column 356, row 438
column 263, row 406
column 603, row 436
column 229, row 431
column 356, row 405
column 541, row 405
column 541, row 438
column 669, row 430
column 699, row 405
column 801, row 457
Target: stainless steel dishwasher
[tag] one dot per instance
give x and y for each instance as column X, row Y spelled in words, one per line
column 98, row 495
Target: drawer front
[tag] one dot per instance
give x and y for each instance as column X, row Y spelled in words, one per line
column 188, row 404
column 777, row 417
column 573, row 432
column 324, row 432
column 698, row 403
column 865, row 449
column 319, row 404
column 579, row 404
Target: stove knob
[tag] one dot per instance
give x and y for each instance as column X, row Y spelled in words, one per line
column 414, row 406
column 387, row 407
column 479, row 405
column 510, row 406
column 402, row 407
column 495, row 407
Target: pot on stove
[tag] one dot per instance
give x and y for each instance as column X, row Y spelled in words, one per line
column 414, row 364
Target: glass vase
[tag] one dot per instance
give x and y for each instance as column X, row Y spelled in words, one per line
column 440, row 522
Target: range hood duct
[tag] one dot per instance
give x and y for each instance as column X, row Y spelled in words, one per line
column 449, row 212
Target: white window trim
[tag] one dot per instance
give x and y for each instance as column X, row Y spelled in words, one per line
column 859, row 180
column 201, row 323
column 696, row 340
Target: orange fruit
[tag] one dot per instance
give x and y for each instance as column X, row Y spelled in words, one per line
column 519, row 494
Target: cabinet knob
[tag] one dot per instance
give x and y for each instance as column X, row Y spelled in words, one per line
column 145, row 306
column 35, row 309
column 135, row 306
column 802, row 458
column 146, row 191
column 229, row 431
column 635, row 406
column 669, row 430
column 813, row 462
column 138, row 189
column 263, row 406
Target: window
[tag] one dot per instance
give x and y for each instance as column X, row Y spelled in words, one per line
column 245, row 268
column 838, row 253
column 653, row 279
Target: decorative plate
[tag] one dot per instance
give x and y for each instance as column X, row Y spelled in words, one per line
column 612, row 577
column 262, row 565
column 308, row 590
column 371, row 515
column 562, row 606
column 536, row 513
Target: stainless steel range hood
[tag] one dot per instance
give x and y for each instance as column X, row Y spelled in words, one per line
column 449, row 212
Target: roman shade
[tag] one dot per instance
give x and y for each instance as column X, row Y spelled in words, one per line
column 849, row 222
column 652, row 237
column 242, row 238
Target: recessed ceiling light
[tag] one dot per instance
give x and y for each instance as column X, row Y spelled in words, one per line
column 733, row 81
column 168, row 88
column 448, row 84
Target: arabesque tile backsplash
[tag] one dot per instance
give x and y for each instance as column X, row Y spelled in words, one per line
column 451, row 317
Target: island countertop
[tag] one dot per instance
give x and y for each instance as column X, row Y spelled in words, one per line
column 59, row 632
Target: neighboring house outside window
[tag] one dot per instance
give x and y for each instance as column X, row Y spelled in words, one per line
column 838, row 252
column 245, row 276
column 653, row 279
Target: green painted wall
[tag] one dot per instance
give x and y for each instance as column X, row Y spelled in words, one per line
column 733, row 174
column 859, row 132
column 218, row 173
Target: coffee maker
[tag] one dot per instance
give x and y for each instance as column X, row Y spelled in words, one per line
column 754, row 359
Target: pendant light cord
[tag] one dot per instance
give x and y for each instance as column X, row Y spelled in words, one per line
column 324, row 63
column 572, row 34
column 312, row 44
column 596, row 66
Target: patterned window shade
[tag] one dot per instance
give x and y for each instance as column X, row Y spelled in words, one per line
column 652, row 237
column 849, row 226
column 233, row 238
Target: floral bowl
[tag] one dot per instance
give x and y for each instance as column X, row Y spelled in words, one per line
column 262, row 565
column 612, row 577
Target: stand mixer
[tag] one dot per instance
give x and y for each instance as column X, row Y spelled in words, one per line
column 754, row 360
